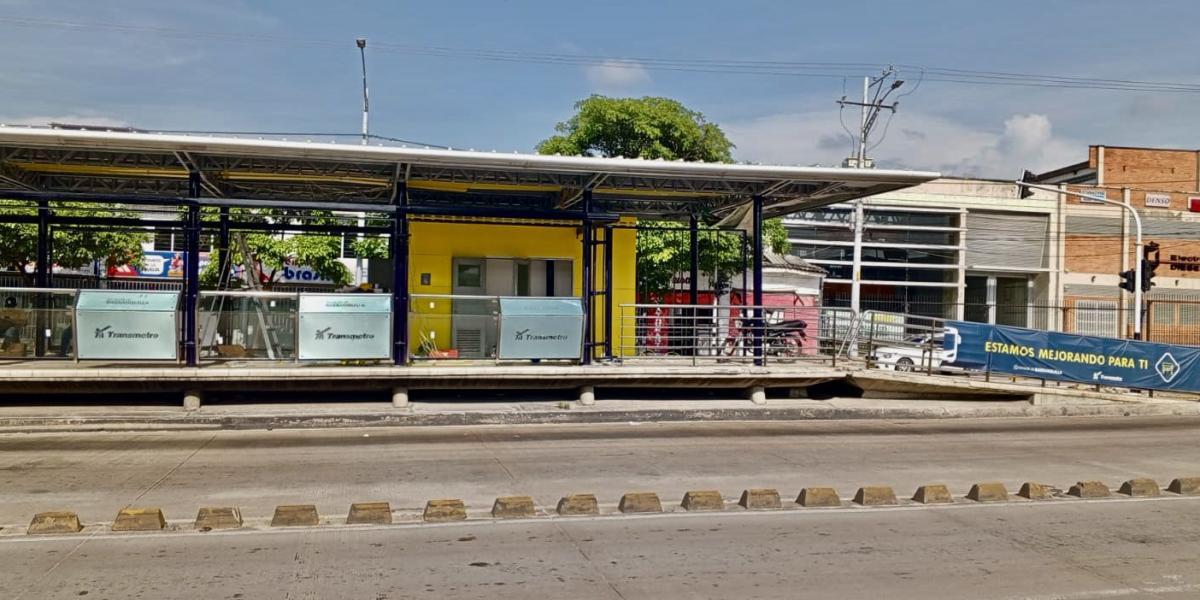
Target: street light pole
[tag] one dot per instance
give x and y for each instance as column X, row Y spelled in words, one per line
column 1138, row 251
column 362, row 51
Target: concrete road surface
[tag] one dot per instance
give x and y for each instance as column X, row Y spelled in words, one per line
column 1066, row 550
column 96, row 474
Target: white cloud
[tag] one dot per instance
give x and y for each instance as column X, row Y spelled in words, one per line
column 617, row 74
column 915, row 140
column 92, row 120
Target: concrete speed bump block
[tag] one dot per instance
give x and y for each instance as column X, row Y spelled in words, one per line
column 295, row 515
column 640, row 502
column 698, row 500
column 139, row 519
column 1089, row 489
column 818, row 496
column 760, row 499
column 513, row 507
column 988, row 492
column 370, row 513
column 1185, row 486
column 450, row 509
column 63, row 521
column 875, row 495
column 578, row 505
column 1142, row 487
column 1035, row 491
column 220, row 517
column 933, row 494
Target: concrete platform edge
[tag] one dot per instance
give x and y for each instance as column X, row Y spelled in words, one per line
column 300, row 419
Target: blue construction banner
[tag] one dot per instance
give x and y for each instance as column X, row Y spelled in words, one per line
column 1068, row 357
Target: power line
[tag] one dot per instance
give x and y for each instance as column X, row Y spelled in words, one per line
column 820, row 69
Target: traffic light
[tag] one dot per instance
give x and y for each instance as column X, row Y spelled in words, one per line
column 1026, row 177
column 1128, row 280
column 1149, row 265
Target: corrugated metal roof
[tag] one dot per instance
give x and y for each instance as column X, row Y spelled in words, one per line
column 148, row 163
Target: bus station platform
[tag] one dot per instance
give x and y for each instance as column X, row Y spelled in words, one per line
column 792, row 380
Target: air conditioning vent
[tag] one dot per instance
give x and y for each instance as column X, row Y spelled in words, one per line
column 468, row 341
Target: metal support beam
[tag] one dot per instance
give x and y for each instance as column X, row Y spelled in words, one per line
column 42, row 268
column 742, row 245
column 757, row 251
column 42, row 274
column 458, row 211
column 588, row 255
column 608, row 293
column 693, row 280
column 191, row 275
column 591, row 184
column 223, row 254
column 400, row 294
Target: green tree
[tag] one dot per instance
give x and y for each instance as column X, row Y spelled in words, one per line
column 652, row 128
column 72, row 248
column 663, row 253
column 638, row 128
column 277, row 252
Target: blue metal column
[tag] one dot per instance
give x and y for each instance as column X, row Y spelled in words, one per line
column 226, row 257
column 41, row 274
column 742, row 243
column 693, row 283
column 608, row 295
column 757, row 250
column 588, row 256
column 191, row 276
column 400, row 300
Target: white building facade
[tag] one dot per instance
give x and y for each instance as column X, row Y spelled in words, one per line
column 950, row 248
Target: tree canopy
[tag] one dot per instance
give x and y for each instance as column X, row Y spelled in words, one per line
column 653, row 127
column 647, row 127
column 276, row 252
column 71, row 247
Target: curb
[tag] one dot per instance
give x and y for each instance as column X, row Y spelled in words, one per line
column 197, row 420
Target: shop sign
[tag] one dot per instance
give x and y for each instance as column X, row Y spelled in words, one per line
column 537, row 328
column 1158, row 200
column 126, row 325
column 1067, row 357
column 293, row 273
column 157, row 265
column 1184, row 263
column 1093, row 197
column 345, row 326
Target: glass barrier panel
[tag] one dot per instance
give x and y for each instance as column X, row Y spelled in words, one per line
column 247, row 325
column 36, row 323
column 445, row 327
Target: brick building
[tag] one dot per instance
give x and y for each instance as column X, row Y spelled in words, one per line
column 1098, row 240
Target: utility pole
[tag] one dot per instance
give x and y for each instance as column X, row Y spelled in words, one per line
column 869, row 110
column 362, row 52
column 862, row 125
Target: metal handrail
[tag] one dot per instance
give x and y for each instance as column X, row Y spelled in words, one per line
column 37, row 290
column 728, row 332
column 249, row 294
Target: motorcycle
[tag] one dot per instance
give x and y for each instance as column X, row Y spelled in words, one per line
column 785, row 338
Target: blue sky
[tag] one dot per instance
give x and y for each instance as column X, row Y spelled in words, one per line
column 293, row 66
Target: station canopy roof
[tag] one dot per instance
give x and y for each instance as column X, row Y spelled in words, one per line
column 332, row 175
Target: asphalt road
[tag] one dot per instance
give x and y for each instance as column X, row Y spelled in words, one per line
column 96, row 474
column 1058, row 549
column 1064, row 550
